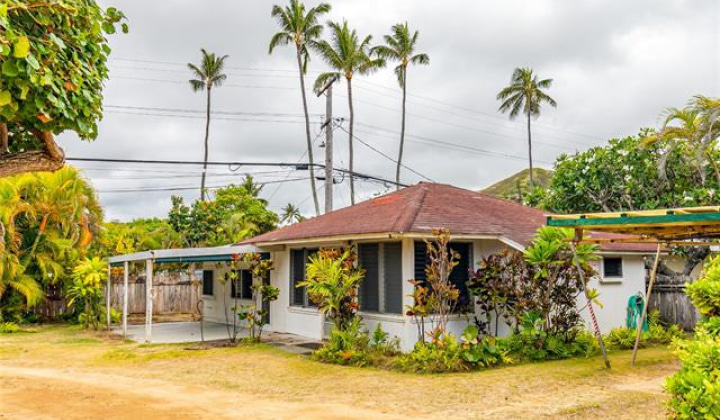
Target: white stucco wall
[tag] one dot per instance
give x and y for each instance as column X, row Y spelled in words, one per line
column 309, row 323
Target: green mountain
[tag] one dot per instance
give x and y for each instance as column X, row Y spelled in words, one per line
column 516, row 185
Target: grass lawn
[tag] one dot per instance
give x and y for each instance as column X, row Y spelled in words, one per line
column 63, row 372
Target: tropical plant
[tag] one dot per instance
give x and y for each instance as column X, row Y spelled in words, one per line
column 47, row 222
column 137, row 236
column 533, row 342
column 697, row 128
column 54, row 65
column 348, row 346
column 301, row 28
column 442, row 261
column 421, row 308
column 256, row 315
column 85, row 293
column 206, row 76
column 442, row 355
column 525, row 95
column 291, row 214
column 483, row 351
column 400, row 47
column 347, row 55
column 332, row 282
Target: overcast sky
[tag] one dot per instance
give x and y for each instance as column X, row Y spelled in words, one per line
column 616, row 65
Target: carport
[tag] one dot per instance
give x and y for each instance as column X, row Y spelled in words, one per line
column 692, row 226
column 155, row 257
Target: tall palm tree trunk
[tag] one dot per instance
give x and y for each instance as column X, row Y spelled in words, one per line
column 532, row 180
column 402, row 131
column 307, row 132
column 350, row 142
column 207, row 139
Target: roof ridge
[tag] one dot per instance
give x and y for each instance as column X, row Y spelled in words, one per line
column 413, row 212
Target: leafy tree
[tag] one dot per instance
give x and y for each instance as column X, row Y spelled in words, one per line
column 347, row 55
column 233, row 215
column 53, row 57
column 138, row 235
column 291, row 214
column 300, row 27
column 207, row 75
column 525, row 95
column 696, row 128
column 400, row 47
column 47, row 222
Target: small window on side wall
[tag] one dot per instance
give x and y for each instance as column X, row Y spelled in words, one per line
column 207, row 284
column 612, row 267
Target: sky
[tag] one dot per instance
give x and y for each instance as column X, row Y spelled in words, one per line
column 616, row 65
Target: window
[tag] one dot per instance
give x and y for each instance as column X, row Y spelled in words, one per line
column 381, row 289
column 459, row 275
column 298, row 261
column 612, row 267
column 241, row 287
column 207, row 284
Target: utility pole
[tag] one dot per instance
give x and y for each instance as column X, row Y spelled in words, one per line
column 328, row 126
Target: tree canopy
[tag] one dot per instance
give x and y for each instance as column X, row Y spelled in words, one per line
column 53, row 64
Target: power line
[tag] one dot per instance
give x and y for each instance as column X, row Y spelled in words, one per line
column 184, row 82
column 201, row 111
column 183, row 188
column 386, row 156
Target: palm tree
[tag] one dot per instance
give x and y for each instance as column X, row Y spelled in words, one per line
column 302, row 29
column 291, row 214
column 208, row 75
column 347, row 55
column 400, row 47
column 525, row 94
column 252, row 187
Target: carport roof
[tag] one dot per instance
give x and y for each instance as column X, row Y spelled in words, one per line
column 185, row 255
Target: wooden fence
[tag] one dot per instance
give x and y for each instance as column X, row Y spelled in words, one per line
column 668, row 296
column 173, row 294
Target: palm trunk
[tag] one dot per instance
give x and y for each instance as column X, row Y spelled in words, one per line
column 532, row 180
column 402, row 131
column 307, row 133
column 207, row 139
column 350, row 142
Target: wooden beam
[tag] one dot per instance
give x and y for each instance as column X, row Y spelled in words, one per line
column 641, row 322
column 126, row 274
column 148, row 299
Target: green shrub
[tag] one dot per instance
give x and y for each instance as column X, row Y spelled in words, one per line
column 695, row 388
column 382, row 343
column 9, row 328
column 623, row 338
column 437, row 356
column 705, row 291
column 345, row 347
column 483, row 352
column 533, row 343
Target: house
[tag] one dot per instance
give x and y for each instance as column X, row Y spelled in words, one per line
column 388, row 232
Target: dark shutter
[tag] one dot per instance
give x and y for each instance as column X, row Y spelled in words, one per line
column 459, row 275
column 370, row 286
column 612, row 267
column 246, row 283
column 393, row 277
column 207, row 286
column 297, row 294
column 421, row 260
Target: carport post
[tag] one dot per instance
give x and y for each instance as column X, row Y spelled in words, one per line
column 148, row 299
column 126, row 274
column 109, row 298
column 641, row 322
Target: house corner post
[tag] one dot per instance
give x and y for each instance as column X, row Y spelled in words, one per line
column 108, row 296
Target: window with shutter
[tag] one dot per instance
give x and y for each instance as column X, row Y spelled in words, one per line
column 241, row 287
column 612, row 267
column 369, row 292
column 458, row 276
column 298, row 263
column 393, row 277
column 207, row 285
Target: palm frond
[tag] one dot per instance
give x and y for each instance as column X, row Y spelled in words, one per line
column 324, row 79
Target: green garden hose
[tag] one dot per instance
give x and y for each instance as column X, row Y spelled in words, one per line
column 634, row 311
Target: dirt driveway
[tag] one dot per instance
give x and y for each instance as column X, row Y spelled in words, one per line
column 61, row 373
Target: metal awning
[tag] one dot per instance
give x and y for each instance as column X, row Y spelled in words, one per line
column 666, row 225
column 187, row 255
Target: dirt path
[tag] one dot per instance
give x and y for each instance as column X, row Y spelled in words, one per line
column 32, row 393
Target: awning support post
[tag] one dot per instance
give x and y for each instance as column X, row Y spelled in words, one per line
column 581, row 273
column 126, row 274
column 641, row 322
column 148, row 299
column 109, row 297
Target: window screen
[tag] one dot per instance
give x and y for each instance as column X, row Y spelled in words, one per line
column 393, row 277
column 299, row 259
column 368, row 255
column 458, row 276
column 612, row 267
column 241, row 287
